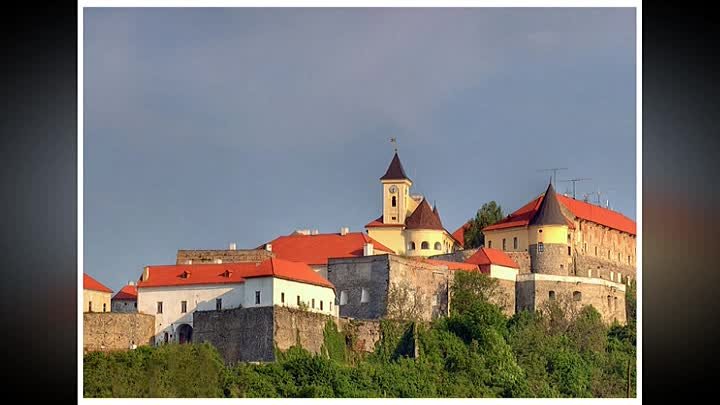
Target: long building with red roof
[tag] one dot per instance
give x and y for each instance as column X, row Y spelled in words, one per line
column 172, row 293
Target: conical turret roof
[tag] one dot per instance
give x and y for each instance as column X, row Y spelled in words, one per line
column 424, row 218
column 549, row 212
column 395, row 171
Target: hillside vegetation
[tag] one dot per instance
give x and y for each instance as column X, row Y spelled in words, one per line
column 475, row 352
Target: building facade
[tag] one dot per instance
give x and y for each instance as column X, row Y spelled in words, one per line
column 408, row 225
column 96, row 296
column 173, row 293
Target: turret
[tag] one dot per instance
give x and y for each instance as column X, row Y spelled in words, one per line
column 547, row 237
column 396, row 193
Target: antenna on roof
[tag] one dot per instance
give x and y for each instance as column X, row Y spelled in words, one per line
column 573, row 183
column 554, row 170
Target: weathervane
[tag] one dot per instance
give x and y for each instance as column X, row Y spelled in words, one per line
column 394, row 142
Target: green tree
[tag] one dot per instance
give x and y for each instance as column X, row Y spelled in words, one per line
column 468, row 288
column 487, row 215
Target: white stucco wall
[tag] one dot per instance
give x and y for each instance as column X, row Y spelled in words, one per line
column 200, row 297
column 306, row 292
column 503, row 273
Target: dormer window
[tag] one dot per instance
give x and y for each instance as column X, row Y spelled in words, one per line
column 227, row 273
column 185, row 274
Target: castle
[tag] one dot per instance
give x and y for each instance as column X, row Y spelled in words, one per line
column 552, row 248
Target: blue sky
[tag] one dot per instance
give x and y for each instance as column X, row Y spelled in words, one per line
column 209, row 126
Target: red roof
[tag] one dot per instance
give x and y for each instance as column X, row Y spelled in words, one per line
column 580, row 209
column 90, row 283
column 380, row 222
column 485, row 256
column 459, row 234
column 129, row 292
column 317, row 249
column 230, row 273
column 449, row 264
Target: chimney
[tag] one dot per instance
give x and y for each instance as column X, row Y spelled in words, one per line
column 233, row 246
column 344, row 231
column 268, row 247
column 146, row 273
column 131, row 282
column 368, row 249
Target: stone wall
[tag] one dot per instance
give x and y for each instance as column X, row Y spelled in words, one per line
column 298, row 327
column 227, row 256
column 553, row 260
column 533, row 292
column 610, row 244
column 458, row 256
column 116, row 331
column 364, row 334
column 241, row 334
column 351, row 275
column 429, row 284
column 522, row 259
column 506, row 297
column 602, row 268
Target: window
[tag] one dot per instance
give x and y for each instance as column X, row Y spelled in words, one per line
column 89, row 306
column 257, row 297
column 394, row 201
column 425, row 245
column 569, row 251
column 218, row 304
column 394, row 218
column 577, row 296
column 628, row 259
column 490, row 244
column 438, row 246
column 585, row 247
column 298, row 300
column 313, row 303
column 589, row 273
column 540, row 247
column 515, row 243
column 166, row 337
column 612, row 276
column 343, row 297
column 608, row 254
column 503, row 242
column 551, row 295
column 159, row 307
column 321, row 306
column 615, row 303
column 609, row 298
column 364, row 296
column 539, row 230
column 330, row 303
column 435, row 299
column 183, row 306
column 104, row 307
column 596, row 251
column 412, row 246
column 282, row 298
column 135, row 303
column 619, row 257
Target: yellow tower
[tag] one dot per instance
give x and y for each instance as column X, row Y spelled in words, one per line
column 396, row 193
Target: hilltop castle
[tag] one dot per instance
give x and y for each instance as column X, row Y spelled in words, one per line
column 552, row 248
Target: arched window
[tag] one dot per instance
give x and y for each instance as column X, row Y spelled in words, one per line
column 503, row 244
column 577, row 296
column 609, row 298
column 490, row 244
column 394, row 201
column 425, row 245
column 569, row 251
column 412, row 246
column 551, row 295
column 438, row 246
column 515, row 243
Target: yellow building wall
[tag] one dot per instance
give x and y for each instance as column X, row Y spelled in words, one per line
column 402, row 195
column 98, row 298
column 497, row 236
column 549, row 234
column 431, row 236
column 390, row 237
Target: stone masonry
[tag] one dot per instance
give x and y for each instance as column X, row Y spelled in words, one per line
column 116, row 331
column 227, row 256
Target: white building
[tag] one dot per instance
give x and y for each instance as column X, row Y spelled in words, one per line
column 174, row 292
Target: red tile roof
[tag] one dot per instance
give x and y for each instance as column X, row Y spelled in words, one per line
column 230, row 273
column 459, row 234
column 129, row 292
column 485, row 256
column 90, row 283
column 317, row 249
column 580, row 209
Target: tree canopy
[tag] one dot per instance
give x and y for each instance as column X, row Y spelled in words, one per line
column 487, row 215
